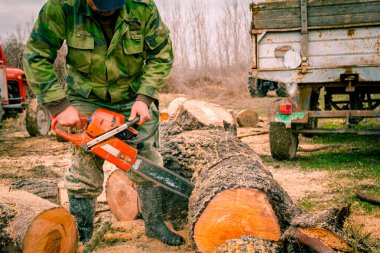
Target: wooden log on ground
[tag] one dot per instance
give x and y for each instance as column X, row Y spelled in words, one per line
column 122, row 197
column 174, row 106
column 33, row 225
column 234, row 195
column 247, row 118
column 367, row 198
column 197, row 114
column 43, row 188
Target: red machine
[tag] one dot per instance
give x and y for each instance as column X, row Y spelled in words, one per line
column 108, row 135
column 13, row 90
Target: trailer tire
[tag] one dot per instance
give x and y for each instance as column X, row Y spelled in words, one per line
column 252, row 90
column 38, row 119
column 281, row 90
column 262, row 89
column 283, row 142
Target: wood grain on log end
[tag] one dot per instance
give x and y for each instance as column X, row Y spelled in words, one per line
column 122, row 197
column 52, row 231
column 233, row 214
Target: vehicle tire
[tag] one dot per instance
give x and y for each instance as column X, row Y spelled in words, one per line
column 283, row 142
column 38, row 119
column 281, row 90
column 262, row 89
column 251, row 86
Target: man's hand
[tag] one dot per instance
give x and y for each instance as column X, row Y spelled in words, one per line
column 70, row 117
column 139, row 108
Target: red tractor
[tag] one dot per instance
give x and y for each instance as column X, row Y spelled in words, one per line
column 15, row 99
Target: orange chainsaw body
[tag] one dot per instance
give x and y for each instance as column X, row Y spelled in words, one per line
column 112, row 150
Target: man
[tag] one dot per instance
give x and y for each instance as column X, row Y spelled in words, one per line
column 119, row 56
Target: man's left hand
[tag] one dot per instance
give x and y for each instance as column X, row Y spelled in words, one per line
column 139, row 108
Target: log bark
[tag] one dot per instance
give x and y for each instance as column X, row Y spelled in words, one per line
column 31, row 224
column 43, row 188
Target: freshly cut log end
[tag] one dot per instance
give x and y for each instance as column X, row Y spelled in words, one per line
column 234, row 213
column 52, row 231
column 250, row 244
column 197, row 114
column 33, row 225
column 122, row 196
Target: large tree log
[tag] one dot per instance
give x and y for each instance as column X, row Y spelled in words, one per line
column 234, row 195
column 31, row 224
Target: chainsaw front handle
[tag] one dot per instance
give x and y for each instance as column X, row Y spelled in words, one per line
column 77, row 139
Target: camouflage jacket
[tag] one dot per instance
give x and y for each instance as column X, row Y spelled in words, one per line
column 138, row 60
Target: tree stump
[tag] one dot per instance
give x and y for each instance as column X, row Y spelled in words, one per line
column 234, row 195
column 33, row 225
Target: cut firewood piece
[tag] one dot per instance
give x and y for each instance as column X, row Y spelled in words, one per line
column 32, row 224
column 174, row 105
column 121, row 196
column 233, row 214
column 328, row 238
column 197, row 114
column 43, row 188
column 247, row 118
column 250, row 244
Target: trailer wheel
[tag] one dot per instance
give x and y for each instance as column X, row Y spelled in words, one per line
column 252, row 86
column 281, row 90
column 262, row 88
column 37, row 119
column 283, row 142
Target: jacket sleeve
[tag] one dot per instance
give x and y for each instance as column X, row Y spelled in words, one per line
column 158, row 55
column 46, row 38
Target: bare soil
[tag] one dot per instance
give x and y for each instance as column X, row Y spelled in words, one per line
column 43, row 157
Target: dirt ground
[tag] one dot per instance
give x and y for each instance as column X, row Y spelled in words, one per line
column 43, row 157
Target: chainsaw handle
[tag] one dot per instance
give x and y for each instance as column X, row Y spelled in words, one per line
column 77, row 139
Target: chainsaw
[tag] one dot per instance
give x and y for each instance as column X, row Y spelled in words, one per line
column 110, row 136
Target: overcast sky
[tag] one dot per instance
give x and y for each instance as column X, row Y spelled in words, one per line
column 15, row 13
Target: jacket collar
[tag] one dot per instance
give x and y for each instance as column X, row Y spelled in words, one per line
column 83, row 8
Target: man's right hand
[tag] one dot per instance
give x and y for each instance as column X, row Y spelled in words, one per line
column 70, row 117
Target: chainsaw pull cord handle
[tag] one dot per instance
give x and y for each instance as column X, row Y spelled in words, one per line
column 77, row 139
